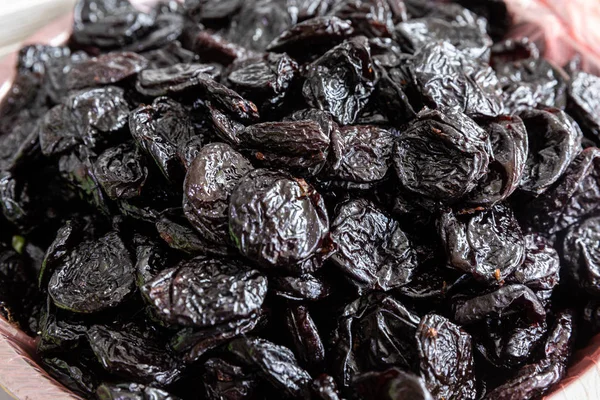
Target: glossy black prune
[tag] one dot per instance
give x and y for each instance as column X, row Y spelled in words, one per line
column 121, row 171
column 580, row 255
column 132, row 391
column 541, row 267
column 224, row 380
column 305, row 336
column 107, row 69
column 583, row 103
column 370, row 17
column 304, row 287
column 391, row 385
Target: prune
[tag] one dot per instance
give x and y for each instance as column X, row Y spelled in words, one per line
column 162, row 130
column 554, row 141
column 176, row 231
column 174, row 79
column 132, row 391
column 508, row 300
column 274, row 363
column 541, row 267
column 167, row 28
column 580, row 255
column 583, row 103
column 305, row 336
column 279, row 222
column 169, row 55
column 202, row 292
column 391, row 97
column 19, row 146
column 325, row 388
column 212, row 47
column 73, row 375
column 342, row 80
column 58, row 330
column 488, row 245
column 300, row 146
column 208, row 185
column 226, row 381
column 107, row 69
column 446, row 358
column 511, row 50
column 210, row 10
column 93, row 276
column 441, row 155
column 373, row 332
column 372, row 250
column 304, row 287
column 392, row 384
column 509, row 150
column 448, row 79
column 16, row 285
column 266, row 81
column 121, row 171
column 432, row 284
column 133, row 353
column 370, row 17
column 151, row 258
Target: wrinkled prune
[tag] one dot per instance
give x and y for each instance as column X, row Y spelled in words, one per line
column 583, row 103
column 107, row 69
column 392, row 384
column 580, row 255
column 226, row 381
column 370, row 17
column 305, row 336
column 541, row 267
column 72, row 374
column 303, row 287
column 126, row 391
column 121, row 171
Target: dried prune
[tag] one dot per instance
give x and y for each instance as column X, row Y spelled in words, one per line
column 370, row 17
column 583, row 103
column 93, row 276
column 303, row 287
column 176, row 231
column 305, row 336
column 456, row 155
column 107, row 69
column 74, row 375
column 279, row 222
column 372, row 250
column 325, row 388
column 392, row 384
column 446, row 358
column 59, row 331
column 227, row 381
column 202, row 292
column 580, row 257
column 174, row 79
column 121, row 171
column 124, row 391
column 541, row 267
column 342, row 80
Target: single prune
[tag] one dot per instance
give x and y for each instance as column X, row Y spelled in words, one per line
column 19, row 146
column 168, row 27
column 212, row 47
column 121, row 171
column 584, row 104
column 59, row 330
column 391, row 97
column 93, row 276
column 174, row 79
column 441, row 155
column 540, row 270
column 342, row 80
column 107, row 69
column 224, row 380
column 151, row 258
column 581, row 260
column 446, row 358
column 132, row 391
column 554, row 141
column 305, row 336
column 372, row 250
column 202, row 292
column 279, row 222
column 73, row 374
column 393, row 384
column 169, row 55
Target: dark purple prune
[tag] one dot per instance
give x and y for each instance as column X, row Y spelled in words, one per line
column 59, row 330
column 126, row 391
column 121, row 171
column 16, row 202
column 212, row 47
column 540, row 270
column 72, row 373
column 151, row 258
column 506, row 301
column 511, row 50
column 67, row 237
column 373, row 332
column 448, row 79
column 342, row 80
column 361, row 154
column 531, row 83
column 94, row 276
column 370, row 17
column 167, row 28
column 468, row 39
column 372, row 250
column 107, row 69
column 279, row 222
column 90, row 117
column 224, row 380
column 299, row 146
column 169, row 55
column 320, row 33
column 441, row 155
column 17, row 286
column 202, row 292
column 177, row 232
column 508, row 157
column 162, row 130
column 432, row 284
column 208, row 185
column 581, row 259
column 109, row 23
column 305, row 287
column 265, row 81
column 134, row 352
column 393, row 384
column 225, row 126
column 488, row 244
column 392, row 99
column 572, row 198
column 446, row 358
column 324, row 388
column 305, row 336
column 175, row 79
column 584, row 105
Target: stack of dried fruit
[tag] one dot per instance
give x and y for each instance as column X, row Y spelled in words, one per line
column 305, row 199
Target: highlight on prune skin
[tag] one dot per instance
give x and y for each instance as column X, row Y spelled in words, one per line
column 121, row 171
column 583, row 103
column 581, row 262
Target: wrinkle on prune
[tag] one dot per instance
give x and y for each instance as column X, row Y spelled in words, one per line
column 392, row 384
column 121, row 171
column 584, row 105
column 123, row 391
column 106, row 69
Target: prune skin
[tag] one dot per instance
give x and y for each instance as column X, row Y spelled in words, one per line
column 583, row 104
column 301, row 146
column 324, row 388
column 554, row 141
column 133, row 391
column 133, row 353
column 305, row 287
column 94, row 276
column 168, row 27
column 67, row 236
column 227, row 381
column 447, row 79
column 373, row 333
column 488, row 244
column 581, row 259
column 178, row 234
column 572, row 198
column 174, row 79
column 278, row 221
column 212, row 47
column 342, row 80
column 541, row 267
column 510, row 50
column 306, row 338
column 361, row 154
column 107, row 69
column 372, row 250
column 73, row 374
column 274, row 363
column 121, row 171
column 393, row 384
column 208, row 185
column 441, row 155
column 202, row 292
column 508, row 300
column 509, row 150
column 446, row 358
column 372, row 18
